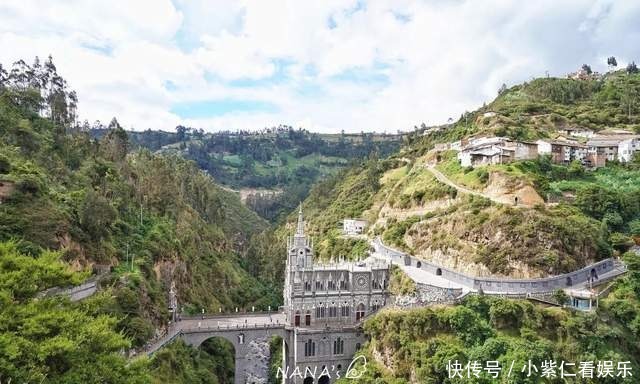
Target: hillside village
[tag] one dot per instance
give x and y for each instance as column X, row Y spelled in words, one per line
column 590, row 149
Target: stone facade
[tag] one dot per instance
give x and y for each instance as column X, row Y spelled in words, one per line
column 324, row 305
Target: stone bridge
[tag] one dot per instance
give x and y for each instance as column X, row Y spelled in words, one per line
column 240, row 329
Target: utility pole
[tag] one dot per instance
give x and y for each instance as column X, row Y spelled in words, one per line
column 127, row 260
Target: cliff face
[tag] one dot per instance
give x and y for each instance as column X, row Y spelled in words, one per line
column 518, row 243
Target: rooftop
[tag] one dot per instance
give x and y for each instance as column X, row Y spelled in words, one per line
column 611, row 140
column 565, row 143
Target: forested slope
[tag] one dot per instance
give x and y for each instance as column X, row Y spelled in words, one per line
column 71, row 205
column 273, row 168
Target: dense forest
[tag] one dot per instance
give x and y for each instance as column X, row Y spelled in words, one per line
column 72, row 205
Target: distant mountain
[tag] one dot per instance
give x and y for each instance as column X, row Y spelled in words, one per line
column 274, row 168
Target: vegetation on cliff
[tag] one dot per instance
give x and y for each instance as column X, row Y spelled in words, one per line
column 71, row 204
column 416, row 345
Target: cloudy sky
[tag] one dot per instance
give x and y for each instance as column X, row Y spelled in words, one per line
column 324, row 65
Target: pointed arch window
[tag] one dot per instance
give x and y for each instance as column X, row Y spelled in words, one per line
column 338, row 346
column 343, row 282
column 360, row 311
column 333, row 310
column 310, row 348
column 345, row 310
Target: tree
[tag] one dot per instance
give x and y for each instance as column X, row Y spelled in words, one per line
column 52, row 340
column 632, row 68
column 632, row 259
column 587, row 69
column 181, row 132
column 596, row 201
column 611, row 62
column 634, row 227
column 97, row 215
column 502, row 89
column 115, row 144
column 3, row 77
column 560, row 296
column 576, row 169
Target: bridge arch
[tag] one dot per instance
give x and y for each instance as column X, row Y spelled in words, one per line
column 241, row 338
column 324, row 380
column 224, row 345
column 419, row 264
column 439, row 272
column 308, row 380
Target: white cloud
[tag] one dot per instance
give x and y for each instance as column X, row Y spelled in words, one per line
column 330, row 65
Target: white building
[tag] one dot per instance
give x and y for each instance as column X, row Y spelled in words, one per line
column 496, row 150
column 627, row 148
column 563, row 151
column 577, row 132
column 353, row 226
column 609, row 148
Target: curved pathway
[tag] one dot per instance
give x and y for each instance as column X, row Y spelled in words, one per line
column 445, row 180
column 425, row 272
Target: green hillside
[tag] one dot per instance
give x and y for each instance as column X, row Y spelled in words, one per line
column 70, row 205
column 417, row 345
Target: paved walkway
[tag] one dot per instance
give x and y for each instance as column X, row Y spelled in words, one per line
column 426, row 276
column 422, row 276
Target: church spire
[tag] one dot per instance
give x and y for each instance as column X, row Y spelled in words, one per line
column 300, row 230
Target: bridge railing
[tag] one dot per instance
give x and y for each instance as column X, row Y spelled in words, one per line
column 500, row 285
column 231, row 327
column 222, row 315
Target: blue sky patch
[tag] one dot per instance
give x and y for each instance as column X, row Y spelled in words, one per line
column 213, row 108
column 373, row 76
column 104, row 49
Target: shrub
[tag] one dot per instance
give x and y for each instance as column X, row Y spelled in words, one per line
column 634, row 227
column 29, row 184
column 560, row 296
column 483, row 175
column 5, row 164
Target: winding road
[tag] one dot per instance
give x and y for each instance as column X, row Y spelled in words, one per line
column 445, row 180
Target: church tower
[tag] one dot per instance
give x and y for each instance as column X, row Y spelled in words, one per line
column 299, row 258
column 300, row 249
